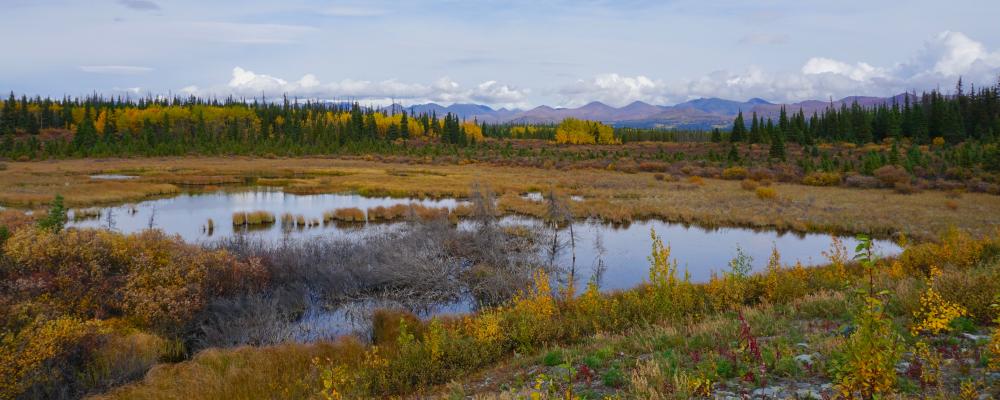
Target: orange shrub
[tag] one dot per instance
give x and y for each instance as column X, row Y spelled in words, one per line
column 822, row 179
column 735, row 173
column 749, row 184
column 766, row 193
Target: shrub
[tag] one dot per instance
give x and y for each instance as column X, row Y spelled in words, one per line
column 749, row 184
column 865, row 364
column 862, row 181
column 905, row 188
column 155, row 280
column 972, row 290
column 766, row 193
column 822, row 179
column 735, row 173
column 994, row 346
column 658, row 177
column 696, row 180
column 653, row 166
column 890, row 175
column 936, row 313
column 33, row 356
column 552, row 358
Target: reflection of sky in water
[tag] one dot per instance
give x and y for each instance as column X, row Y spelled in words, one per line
column 187, row 214
column 699, row 251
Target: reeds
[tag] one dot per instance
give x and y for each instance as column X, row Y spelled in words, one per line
column 352, row 214
column 289, row 221
column 252, row 218
column 86, row 213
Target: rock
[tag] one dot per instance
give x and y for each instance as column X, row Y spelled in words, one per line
column 974, row 338
column 902, row 367
column 847, row 330
column 804, row 359
column 802, row 345
column 808, row 394
column 767, row 393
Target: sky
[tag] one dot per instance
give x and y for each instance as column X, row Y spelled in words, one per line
column 514, row 54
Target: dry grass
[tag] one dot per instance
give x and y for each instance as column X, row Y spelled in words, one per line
column 610, row 195
column 352, row 214
column 235, row 374
column 252, row 218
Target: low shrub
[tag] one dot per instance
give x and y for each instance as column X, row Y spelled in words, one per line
column 766, row 193
column 822, row 179
column 905, row 188
column 891, row 175
column 735, row 173
column 862, row 181
column 749, row 184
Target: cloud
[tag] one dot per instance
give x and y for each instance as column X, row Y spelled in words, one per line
column 115, row 69
column 614, row 89
column 943, row 59
column 248, row 83
column 140, row 5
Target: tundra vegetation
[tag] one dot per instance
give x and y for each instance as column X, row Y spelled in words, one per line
column 95, row 313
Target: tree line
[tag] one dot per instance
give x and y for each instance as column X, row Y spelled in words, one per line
column 972, row 115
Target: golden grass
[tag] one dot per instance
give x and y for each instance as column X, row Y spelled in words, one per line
column 82, row 214
column 252, row 218
column 236, row 373
column 609, row 195
column 351, row 214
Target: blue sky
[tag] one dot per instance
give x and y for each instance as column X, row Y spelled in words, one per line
column 501, row 53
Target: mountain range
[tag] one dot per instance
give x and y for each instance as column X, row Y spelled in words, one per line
column 698, row 114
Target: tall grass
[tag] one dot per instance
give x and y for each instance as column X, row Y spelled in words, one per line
column 252, row 218
column 352, row 214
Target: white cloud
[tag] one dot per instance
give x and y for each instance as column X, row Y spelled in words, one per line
column 943, row 59
column 248, row 83
column 859, row 72
column 115, row 69
column 614, row 89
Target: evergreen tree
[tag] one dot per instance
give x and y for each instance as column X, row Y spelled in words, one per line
column 739, row 129
column 777, row 150
column 404, row 126
column 755, row 128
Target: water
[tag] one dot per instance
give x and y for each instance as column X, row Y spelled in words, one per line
column 112, row 177
column 187, row 214
column 700, row 251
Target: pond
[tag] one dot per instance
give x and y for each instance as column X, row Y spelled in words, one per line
column 622, row 250
column 700, row 251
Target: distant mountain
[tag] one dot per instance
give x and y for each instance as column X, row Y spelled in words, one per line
column 721, row 106
column 703, row 113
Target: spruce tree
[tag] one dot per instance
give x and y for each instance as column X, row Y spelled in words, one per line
column 739, row 129
column 777, row 150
